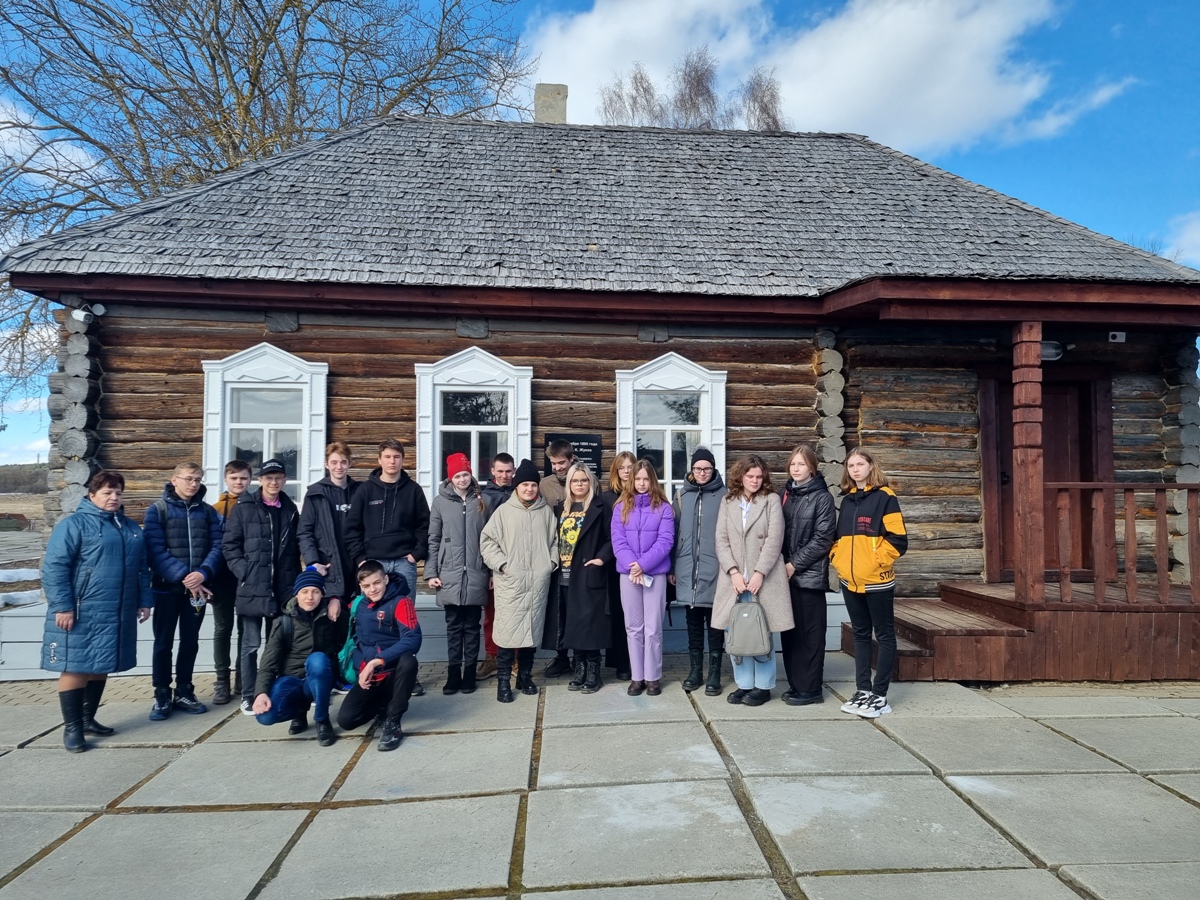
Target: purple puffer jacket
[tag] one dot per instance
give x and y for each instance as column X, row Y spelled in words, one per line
column 646, row 538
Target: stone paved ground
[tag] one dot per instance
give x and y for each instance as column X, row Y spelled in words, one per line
column 1040, row 791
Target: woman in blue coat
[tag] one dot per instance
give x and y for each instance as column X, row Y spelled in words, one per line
column 97, row 586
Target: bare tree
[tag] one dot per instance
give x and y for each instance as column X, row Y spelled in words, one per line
column 693, row 101
column 105, row 104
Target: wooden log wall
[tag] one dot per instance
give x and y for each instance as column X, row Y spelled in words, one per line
column 74, row 391
column 151, row 403
column 915, row 405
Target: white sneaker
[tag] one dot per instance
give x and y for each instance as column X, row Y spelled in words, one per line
column 875, row 707
column 859, row 698
column 247, row 709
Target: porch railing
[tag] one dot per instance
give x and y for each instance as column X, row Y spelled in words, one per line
column 1105, row 504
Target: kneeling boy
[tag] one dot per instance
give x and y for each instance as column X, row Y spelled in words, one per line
column 387, row 637
column 297, row 666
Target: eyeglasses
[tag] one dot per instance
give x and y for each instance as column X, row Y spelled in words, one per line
column 187, row 480
column 700, row 470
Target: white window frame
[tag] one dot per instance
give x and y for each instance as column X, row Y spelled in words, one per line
column 470, row 369
column 672, row 372
column 267, row 365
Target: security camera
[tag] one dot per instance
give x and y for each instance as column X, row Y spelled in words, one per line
column 82, row 315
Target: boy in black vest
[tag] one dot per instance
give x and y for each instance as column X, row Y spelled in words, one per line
column 297, row 665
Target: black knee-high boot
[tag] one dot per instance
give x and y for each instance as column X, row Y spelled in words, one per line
column 72, row 713
column 91, row 702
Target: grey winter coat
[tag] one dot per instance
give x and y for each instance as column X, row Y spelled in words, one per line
column 520, row 546
column 454, row 556
column 694, row 557
column 810, row 526
column 95, row 567
column 755, row 548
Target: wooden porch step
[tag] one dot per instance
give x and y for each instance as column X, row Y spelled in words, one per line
column 921, row 620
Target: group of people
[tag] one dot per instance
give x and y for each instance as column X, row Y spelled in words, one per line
column 516, row 562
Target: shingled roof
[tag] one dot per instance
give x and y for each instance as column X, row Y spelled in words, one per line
column 438, row 202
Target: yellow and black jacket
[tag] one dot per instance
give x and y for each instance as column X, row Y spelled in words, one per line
column 870, row 538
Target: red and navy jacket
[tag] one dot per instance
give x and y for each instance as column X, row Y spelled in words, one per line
column 386, row 630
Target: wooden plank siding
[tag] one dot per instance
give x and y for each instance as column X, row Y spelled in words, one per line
column 151, row 405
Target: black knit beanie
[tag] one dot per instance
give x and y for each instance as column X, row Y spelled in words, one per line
column 526, row 471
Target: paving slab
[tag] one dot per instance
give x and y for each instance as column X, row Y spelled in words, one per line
column 25, row 833
column 1188, row 785
column 34, row 779
column 1008, row 884
column 134, row 728
column 632, row 833
column 905, row 821
column 442, row 765
column 1145, row 745
column 719, row 709
column 438, row 845
column 1187, row 706
column 1084, row 707
column 926, row 699
column 624, row 754
column 611, row 705
column 470, row 712
column 224, row 774
column 242, row 728
column 19, row 724
column 1063, row 819
column 993, row 747
column 120, row 864
column 749, row 889
column 1153, row 881
column 841, row 747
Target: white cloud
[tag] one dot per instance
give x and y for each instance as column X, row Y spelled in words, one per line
column 23, row 405
column 1184, row 240
column 921, row 75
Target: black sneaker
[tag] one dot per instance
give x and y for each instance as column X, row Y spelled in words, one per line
column 391, row 735
column 161, row 710
column 189, row 704
column 418, row 689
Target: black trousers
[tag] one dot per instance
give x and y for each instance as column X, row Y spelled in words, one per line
column 361, row 705
column 524, row 657
column 873, row 611
column 804, row 645
column 223, row 621
column 699, row 620
column 560, row 621
column 174, row 609
column 618, row 646
column 462, row 634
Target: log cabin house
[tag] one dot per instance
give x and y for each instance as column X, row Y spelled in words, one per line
column 1029, row 385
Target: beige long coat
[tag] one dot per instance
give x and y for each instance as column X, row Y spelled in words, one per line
column 757, row 547
column 523, row 541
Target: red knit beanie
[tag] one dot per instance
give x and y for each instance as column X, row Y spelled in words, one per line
column 455, row 463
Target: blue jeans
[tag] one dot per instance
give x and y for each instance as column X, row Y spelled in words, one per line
column 754, row 671
column 290, row 696
column 405, row 568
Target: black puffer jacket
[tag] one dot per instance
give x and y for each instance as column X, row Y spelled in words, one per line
column 265, row 578
column 311, row 632
column 322, row 532
column 388, row 521
column 809, row 528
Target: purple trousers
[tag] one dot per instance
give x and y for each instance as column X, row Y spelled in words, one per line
column 644, row 608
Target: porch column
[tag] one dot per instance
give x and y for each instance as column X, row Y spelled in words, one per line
column 1029, row 557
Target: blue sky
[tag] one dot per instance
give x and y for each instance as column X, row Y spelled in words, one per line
column 1086, row 108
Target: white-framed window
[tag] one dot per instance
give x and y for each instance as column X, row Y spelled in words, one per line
column 473, row 403
column 665, row 409
column 265, row 403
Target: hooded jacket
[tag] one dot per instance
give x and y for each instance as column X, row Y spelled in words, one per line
column 95, row 567
column 322, row 531
column 694, row 557
column 810, row 524
column 187, row 540
column 385, row 630
column 387, row 521
column 265, row 577
column 520, row 545
column 312, row 632
column 454, row 555
column 494, row 495
column 870, row 538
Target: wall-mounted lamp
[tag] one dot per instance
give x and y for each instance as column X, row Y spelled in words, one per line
column 1052, row 350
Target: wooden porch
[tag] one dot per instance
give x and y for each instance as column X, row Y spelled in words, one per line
column 1104, row 582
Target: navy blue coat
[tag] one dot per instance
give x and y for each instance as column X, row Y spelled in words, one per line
column 95, row 567
column 188, row 541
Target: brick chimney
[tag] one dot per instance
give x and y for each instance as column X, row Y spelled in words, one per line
column 550, row 104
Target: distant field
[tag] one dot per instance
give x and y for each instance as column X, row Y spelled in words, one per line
column 28, row 478
column 26, row 504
